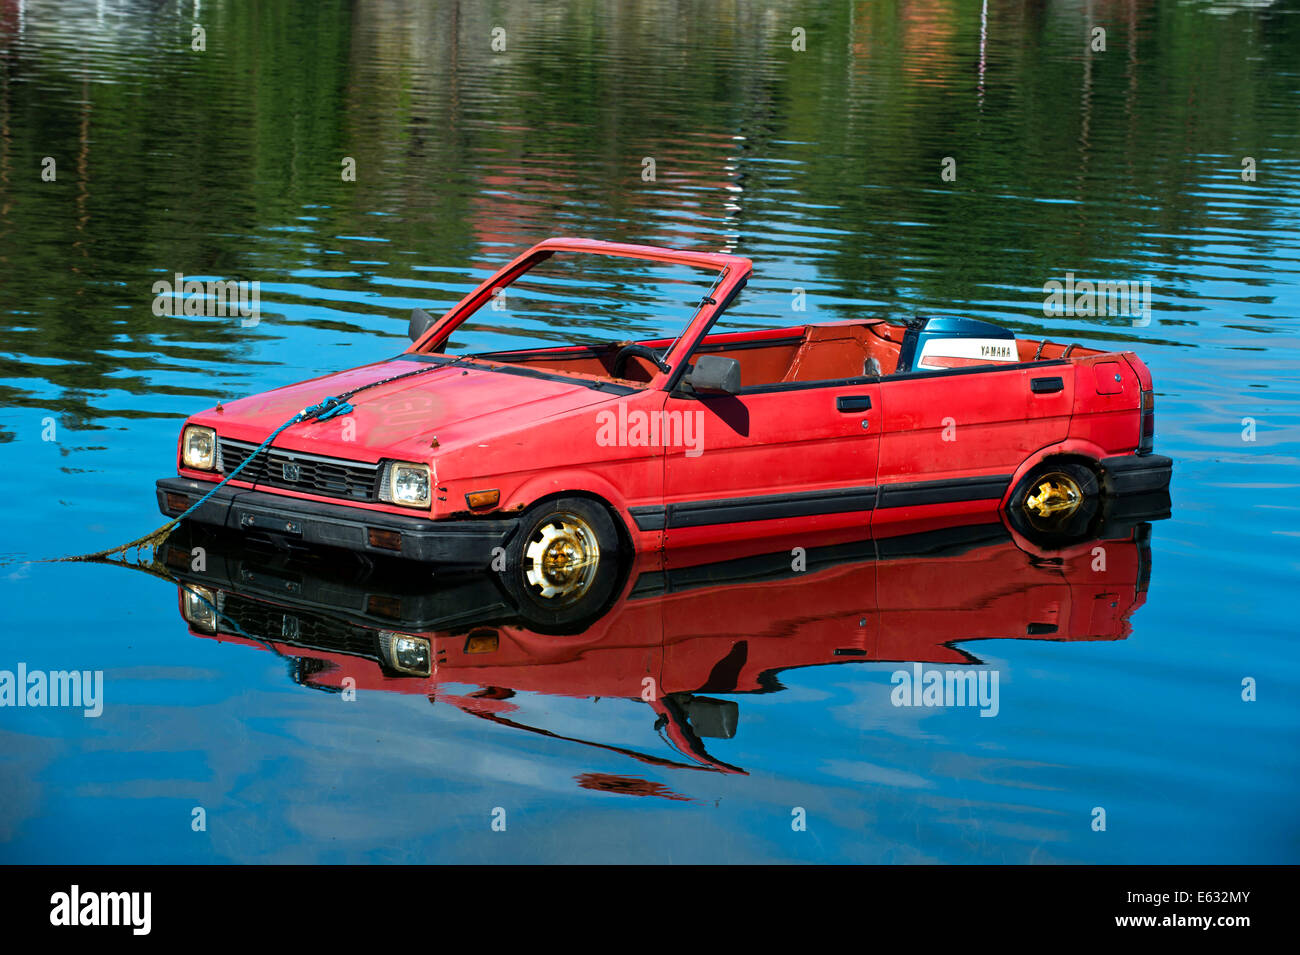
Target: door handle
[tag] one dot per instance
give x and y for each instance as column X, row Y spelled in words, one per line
column 847, row 403
column 1046, row 386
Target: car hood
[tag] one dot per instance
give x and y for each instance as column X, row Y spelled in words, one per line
column 454, row 403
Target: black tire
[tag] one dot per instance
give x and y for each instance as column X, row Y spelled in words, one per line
column 1065, row 527
column 557, row 597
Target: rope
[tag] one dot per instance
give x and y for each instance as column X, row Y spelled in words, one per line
column 326, row 409
column 321, row 412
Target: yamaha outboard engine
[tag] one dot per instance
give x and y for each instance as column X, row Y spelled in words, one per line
column 935, row 344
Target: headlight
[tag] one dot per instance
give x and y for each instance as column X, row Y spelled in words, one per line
column 406, row 653
column 200, row 608
column 408, row 484
column 199, row 448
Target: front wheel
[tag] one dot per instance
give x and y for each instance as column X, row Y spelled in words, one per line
column 1056, row 503
column 563, row 563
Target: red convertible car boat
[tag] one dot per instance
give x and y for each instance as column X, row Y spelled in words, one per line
column 687, row 432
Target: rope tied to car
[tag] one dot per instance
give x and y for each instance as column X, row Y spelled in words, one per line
column 320, row 412
column 327, row 408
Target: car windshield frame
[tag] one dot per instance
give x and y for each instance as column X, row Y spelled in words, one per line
column 731, row 273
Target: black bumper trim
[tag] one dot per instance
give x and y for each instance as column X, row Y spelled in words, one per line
column 1136, row 473
column 467, row 543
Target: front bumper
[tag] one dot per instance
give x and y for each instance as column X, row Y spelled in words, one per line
column 467, row 543
column 1136, row 473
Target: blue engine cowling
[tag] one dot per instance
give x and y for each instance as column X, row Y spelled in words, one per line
column 936, row 344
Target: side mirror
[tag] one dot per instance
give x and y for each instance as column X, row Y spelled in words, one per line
column 714, row 375
column 421, row 322
column 712, row 718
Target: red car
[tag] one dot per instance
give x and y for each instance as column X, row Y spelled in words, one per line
column 686, row 431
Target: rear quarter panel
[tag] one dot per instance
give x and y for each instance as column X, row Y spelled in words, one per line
column 1107, row 394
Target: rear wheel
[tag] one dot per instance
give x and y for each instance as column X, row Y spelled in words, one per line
column 1057, row 502
column 563, row 563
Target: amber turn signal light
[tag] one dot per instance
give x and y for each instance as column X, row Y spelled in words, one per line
column 389, row 540
column 478, row 499
column 482, row 641
column 177, row 502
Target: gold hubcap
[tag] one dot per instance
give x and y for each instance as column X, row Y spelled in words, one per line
column 1056, row 494
column 560, row 560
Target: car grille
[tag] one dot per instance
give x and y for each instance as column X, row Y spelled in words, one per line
column 309, row 473
column 308, row 630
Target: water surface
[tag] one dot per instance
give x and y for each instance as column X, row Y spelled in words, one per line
column 825, row 166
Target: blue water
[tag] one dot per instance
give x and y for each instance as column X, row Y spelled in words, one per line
column 823, row 167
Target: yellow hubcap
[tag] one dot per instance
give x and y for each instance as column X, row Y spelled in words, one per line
column 560, row 560
column 1056, row 494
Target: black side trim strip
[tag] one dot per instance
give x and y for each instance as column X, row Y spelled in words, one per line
column 739, row 510
column 650, row 518
column 943, row 492
column 773, row 507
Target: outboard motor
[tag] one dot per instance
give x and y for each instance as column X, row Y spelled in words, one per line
column 936, row 344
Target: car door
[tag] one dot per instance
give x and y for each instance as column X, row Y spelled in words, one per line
column 770, row 460
column 951, row 440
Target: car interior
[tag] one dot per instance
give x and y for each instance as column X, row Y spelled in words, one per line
column 832, row 351
column 774, row 356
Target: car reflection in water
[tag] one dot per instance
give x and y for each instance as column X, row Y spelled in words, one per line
column 682, row 628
